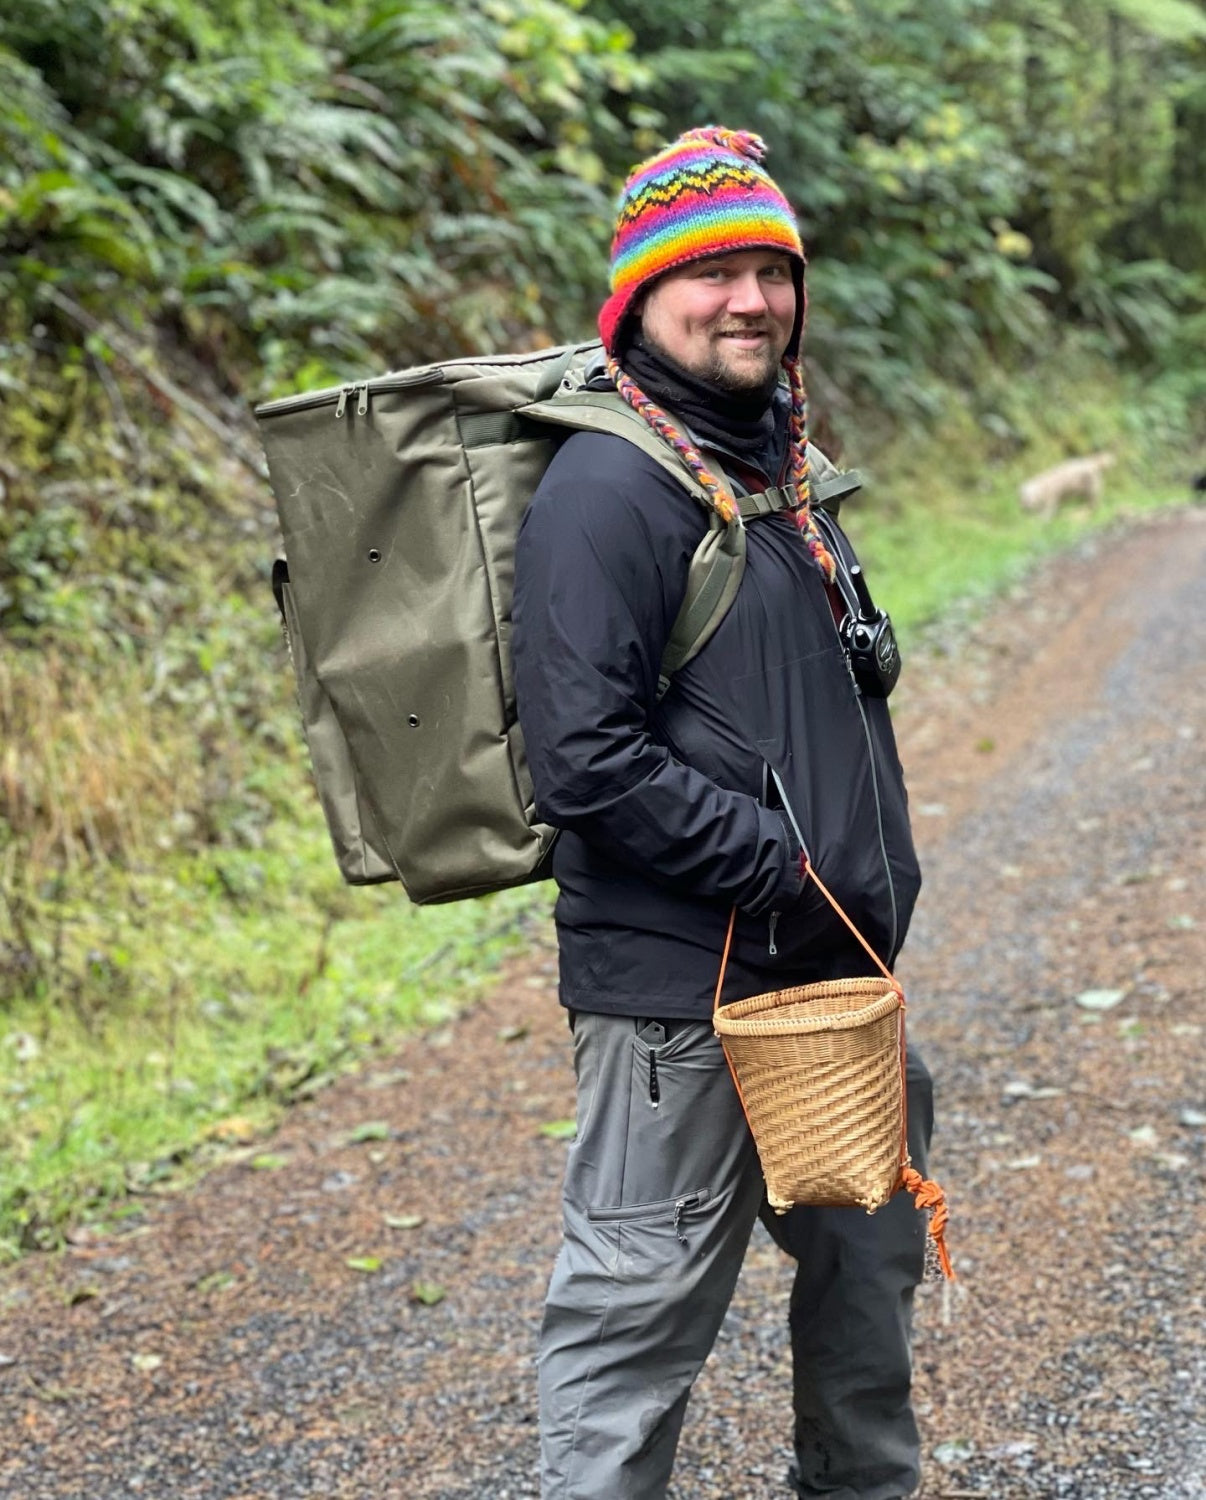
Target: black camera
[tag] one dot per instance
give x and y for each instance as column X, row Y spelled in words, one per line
column 870, row 642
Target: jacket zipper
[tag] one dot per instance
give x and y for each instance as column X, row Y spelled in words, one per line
column 787, row 808
column 774, row 922
column 879, row 818
column 862, row 713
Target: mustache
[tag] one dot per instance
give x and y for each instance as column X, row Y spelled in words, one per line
column 758, row 325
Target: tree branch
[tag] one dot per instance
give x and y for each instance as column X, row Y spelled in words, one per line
column 229, row 436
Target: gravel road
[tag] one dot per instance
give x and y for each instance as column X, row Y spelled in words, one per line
column 222, row 1348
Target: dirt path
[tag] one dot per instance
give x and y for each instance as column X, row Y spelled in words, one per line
column 223, row 1349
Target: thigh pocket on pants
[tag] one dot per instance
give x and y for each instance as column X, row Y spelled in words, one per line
column 666, row 1142
column 672, row 1210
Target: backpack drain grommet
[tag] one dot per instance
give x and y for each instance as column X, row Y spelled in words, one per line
column 374, row 556
column 413, row 720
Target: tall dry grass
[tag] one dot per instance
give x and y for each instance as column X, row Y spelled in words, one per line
column 88, row 770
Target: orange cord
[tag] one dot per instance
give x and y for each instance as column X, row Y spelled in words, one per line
column 724, row 963
column 875, row 958
column 724, row 960
column 927, row 1194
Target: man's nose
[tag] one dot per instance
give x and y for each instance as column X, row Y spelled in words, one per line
column 746, row 295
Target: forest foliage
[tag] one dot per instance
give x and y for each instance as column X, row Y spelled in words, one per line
column 297, row 190
column 204, row 204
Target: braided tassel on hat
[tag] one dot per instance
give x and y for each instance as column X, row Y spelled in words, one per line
column 721, row 500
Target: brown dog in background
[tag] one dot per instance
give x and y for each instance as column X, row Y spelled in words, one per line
column 1078, row 478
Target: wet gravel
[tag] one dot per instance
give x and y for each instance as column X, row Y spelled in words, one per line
column 222, row 1348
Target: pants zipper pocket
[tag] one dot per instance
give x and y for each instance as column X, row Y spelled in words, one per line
column 681, row 1206
column 673, row 1209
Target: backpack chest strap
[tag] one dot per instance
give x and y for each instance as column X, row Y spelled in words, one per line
column 767, row 502
column 828, row 493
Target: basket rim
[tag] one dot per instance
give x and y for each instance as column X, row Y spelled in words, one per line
column 755, row 1014
column 855, row 985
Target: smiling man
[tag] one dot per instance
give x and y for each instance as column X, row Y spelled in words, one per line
column 678, row 806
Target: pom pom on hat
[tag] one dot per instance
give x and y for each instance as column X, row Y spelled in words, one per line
column 740, row 142
column 706, row 193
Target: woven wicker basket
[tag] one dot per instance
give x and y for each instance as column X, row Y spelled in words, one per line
column 819, row 1072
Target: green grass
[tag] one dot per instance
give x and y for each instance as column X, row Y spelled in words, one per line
column 939, row 522
column 221, row 988
column 969, row 557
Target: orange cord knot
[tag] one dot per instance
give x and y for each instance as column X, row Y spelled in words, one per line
column 927, row 1194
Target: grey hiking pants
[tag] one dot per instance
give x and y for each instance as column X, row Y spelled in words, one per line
column 662, row 1188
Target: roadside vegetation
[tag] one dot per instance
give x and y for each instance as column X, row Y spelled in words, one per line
column 204, row 206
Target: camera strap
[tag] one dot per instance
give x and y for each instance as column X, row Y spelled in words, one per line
column 842, row 580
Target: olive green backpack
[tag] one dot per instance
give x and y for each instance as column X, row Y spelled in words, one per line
column 400, row 499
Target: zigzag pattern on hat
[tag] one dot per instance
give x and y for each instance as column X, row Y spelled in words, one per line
column 664, row 191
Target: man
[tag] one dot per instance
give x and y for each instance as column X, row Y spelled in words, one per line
column 762, row 755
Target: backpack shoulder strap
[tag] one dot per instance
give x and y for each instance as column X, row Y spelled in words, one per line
column 716, row 569
column 718, row 565
column 713, row 578
column 830, row 485
column 607, row 411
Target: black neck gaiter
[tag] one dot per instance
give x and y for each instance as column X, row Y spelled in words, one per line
column 746, row 424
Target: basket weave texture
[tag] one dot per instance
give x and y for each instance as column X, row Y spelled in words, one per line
column 818, row 1068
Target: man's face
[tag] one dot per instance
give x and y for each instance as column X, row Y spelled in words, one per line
column 726, row 319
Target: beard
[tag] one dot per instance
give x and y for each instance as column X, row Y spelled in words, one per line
column 752, row 377
column 737, row 373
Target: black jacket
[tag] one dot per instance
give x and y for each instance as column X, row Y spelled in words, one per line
column 663, row 807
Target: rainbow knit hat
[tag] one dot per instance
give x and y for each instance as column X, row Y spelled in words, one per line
column 704, row 194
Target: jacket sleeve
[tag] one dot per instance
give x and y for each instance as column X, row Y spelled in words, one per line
column 601, row 570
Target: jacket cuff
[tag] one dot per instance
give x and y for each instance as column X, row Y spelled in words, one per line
column 799, row 856
column 787, row 890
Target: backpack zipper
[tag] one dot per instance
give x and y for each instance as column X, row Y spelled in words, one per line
column 655, row 1087
column 774, row 922
column 362, row 405
column 337, row 395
